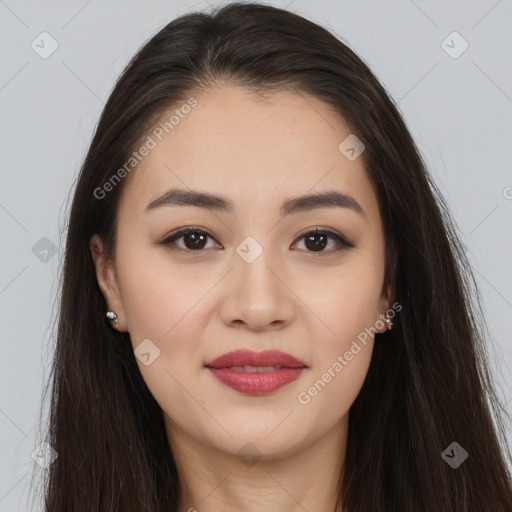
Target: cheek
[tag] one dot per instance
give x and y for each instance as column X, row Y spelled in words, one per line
column 345, row 303
column 162, row 307
column 156, row 300
column 348, row 307
column 350, row 310
column 335, row 384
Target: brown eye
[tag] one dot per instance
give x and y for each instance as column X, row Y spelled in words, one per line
column 193, row 240
column 315, row 241
column 318, row 239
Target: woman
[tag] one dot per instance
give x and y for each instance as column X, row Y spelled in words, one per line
column 290, row 322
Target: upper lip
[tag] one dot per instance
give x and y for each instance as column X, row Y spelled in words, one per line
column 250, row 358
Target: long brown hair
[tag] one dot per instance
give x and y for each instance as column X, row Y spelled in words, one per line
column 428, row 384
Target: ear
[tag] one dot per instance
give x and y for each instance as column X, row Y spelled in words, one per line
column 107, row 281
column 386, row 299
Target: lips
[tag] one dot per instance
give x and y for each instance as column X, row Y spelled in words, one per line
column 261, row 360
column 256, row 373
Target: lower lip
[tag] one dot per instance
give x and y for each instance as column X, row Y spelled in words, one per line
column 256, row 383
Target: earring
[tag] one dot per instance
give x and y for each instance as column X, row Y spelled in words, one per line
column 112, row 317
column 388, row 322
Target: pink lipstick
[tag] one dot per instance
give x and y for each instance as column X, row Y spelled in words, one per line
column 256, row 373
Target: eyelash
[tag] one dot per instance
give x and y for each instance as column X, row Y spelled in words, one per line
column 344, row 243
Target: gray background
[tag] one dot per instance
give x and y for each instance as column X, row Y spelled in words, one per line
column 458, row 110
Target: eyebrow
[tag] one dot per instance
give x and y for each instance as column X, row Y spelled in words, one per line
column 329, row 199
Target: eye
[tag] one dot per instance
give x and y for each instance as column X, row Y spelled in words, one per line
column 194, row 239
column 317, row 239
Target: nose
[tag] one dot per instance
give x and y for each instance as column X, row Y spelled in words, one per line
column 256, row 295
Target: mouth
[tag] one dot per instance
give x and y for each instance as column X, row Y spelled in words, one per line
column 256, row 373
column 259, row 369
column 247, row 360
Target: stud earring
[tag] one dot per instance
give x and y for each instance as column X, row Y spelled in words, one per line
column 112, row 317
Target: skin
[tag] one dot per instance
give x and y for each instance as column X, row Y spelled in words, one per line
column 256, row 152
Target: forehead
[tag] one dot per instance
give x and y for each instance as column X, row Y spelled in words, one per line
column 239, row 144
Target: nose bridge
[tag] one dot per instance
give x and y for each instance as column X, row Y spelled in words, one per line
column 254, row 271
column 256, row 294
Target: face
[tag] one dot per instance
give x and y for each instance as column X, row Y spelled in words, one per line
column 250, row 274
